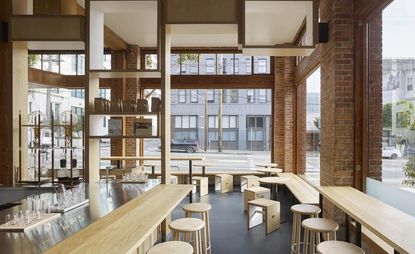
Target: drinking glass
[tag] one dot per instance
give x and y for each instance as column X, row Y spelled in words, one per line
column 28, row 217
column 16, row 220
column 21, row 218
column 8, row 219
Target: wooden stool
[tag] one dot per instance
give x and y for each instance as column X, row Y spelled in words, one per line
column 313, row 227
column 173, row 179
column 298, row 211
column 249, row 182
column 264, row 210
column 186, row 227
column 224, row 183
column 202, row 183
column 255, row 193
column 203, row 209
column 338, row 247
column 173, row 247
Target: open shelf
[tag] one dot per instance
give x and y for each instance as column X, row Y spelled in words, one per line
column 120, row 137
column 94, row 74
column 124, row 114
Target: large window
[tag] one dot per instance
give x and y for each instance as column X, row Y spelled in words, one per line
column 262, row 65
column 66, row 64
column 313, row 124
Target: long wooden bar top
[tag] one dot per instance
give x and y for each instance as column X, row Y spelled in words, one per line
column 124, row 229
column 302, row 191
column 388, row 223
column 150, row 158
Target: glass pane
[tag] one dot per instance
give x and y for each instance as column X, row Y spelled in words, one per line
column 174, row 64
column 107, row 62
column 189, row 63
column 185, row 122
column 211, row 121
column 211, row 96
column 232, row 122
column 68, row 64
column 243, row 64
column 225, row 122
column 262, row 96
column 262, row 65
column 225, row 64
column 182, row 96
column 193, row 122
column 260, row 122
column 234, row 95
column 194, row 96
column 250, row 96
column 178, row 122
column 251, row 121
column 51, row 63
column 81, row 64
column 35, row 61
column 207, row 64
column 151, row 61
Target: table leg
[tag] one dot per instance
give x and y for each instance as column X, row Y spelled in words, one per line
column 190, row 180
column 395, row 252
column 321, row 205
column 347, row 228
column 153, row 172
column 203, row 170
column 358, row 234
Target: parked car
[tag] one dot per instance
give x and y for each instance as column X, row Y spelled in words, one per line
column 184, row 145
column 391, row 152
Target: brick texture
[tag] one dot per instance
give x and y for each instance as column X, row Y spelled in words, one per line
column 284, row 113
column 375, row 98
column 301, row 127
column 130, row 93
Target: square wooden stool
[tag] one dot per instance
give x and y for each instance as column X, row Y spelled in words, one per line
column 249, row 182
column 255, row 193
column 202, row 184
column 224, row 183
column 264, row 210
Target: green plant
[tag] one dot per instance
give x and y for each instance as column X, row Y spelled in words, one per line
column 387, row 115
column 316, row 122
column 403, row 119
column 187, row 57
column 32, row 60
column 409, row 171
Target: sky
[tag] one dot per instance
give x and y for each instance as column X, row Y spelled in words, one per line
column 399, row 29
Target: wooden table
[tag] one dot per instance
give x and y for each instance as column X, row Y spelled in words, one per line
column 203, row 164
column 391, row 225
column 155, row 158
column 302, row 191
column 266, row 164
column 126, row 228
column 274, row 182
column 269, row 171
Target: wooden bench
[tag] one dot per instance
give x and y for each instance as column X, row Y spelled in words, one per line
column 302, row 191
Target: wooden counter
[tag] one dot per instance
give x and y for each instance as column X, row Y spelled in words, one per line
column 391, row 225
column 302, row 191
column 125, row 229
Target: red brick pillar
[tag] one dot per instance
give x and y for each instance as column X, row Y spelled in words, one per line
column 284, row 113
column 301, row 127
column 117, row 93
column 131, row 93
column 337, row 100
column 375, row 98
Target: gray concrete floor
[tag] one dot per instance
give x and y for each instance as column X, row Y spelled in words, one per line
column 229, row 229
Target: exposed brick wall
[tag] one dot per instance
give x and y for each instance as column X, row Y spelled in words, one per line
column 301, row 127
column 375, row 98
column 337, row 94
column 130, row 93
column 284, row 113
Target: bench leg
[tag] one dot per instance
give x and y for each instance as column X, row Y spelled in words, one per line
column 272, row 214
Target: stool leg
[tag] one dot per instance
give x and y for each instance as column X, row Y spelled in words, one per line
column 207, row 231
column 305, row 245
column 294, row 232
column 298, row 238
column 334, row 236
column 312, row 242
column 196, row 242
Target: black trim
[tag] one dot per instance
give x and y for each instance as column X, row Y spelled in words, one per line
column 4, row 32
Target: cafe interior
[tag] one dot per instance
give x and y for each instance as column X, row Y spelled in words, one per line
column 214, row 126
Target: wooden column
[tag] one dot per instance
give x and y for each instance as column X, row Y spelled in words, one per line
column 6, row 140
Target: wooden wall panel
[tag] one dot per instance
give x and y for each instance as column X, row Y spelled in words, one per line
column 6, row 141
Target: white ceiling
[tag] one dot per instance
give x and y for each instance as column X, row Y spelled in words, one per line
column 276, row 22
column 199, row 35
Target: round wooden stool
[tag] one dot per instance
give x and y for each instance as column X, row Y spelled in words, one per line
column 299, row 211
column 338, row 247
column 186, row 227
column 313, row 227
column 203, row 209
column 173, row 247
